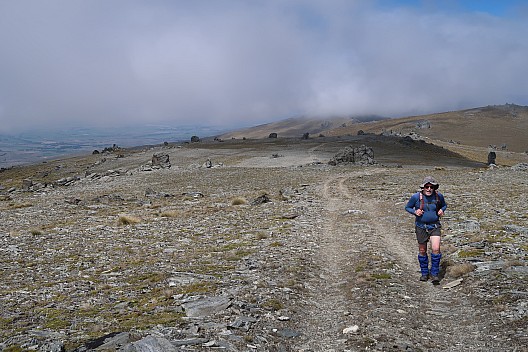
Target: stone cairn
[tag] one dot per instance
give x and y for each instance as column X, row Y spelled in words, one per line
column 161, row 160
column 361, row 155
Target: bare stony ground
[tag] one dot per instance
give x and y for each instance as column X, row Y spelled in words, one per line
column 270, row 249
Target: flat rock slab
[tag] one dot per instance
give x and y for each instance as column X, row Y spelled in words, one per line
column 190, row 342
column 108, row 342
column 243, row 323
column 288, row 333
column 151, row 344
column 205, row 307
column 453, row 284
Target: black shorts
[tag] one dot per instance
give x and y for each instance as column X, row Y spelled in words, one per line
column 422, row 235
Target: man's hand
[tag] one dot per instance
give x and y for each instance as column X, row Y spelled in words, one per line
column 440, row 212
column 418, row 212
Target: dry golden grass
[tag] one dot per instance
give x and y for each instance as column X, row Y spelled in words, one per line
column 261, row 236
column 480, row 127
column 459, row 270
column 239, row 201
column 510, row 263
column 128, row 220
column 481, row 153
column 20, row 205
column 449, row 248
column 171, row 214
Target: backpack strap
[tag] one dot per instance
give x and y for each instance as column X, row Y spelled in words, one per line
column 437, row 201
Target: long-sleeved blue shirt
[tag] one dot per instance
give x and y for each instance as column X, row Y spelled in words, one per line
column 430, row 216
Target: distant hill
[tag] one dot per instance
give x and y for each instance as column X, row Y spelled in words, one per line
column 297, row 126
column 491, row 125
column 479, row 127
column 468, row 132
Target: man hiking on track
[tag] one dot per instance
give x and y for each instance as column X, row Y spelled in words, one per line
column 428, row 206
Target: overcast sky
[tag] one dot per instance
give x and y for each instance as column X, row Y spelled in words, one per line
column 234, row 63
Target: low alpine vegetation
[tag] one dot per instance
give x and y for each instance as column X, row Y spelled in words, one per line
column 170, row 214
column 459, row 270
column 128, row 220
column 239, row 201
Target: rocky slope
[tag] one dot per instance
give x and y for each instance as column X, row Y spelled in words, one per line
column 259, row 245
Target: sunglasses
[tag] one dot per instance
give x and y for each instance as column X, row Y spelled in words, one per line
column 429, row 187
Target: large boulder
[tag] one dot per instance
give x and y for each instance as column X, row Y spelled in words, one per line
column 27, row 184
column 491, row 157
column 161, row 160
column 361, row 155
column 422, row 124
column 261, row 199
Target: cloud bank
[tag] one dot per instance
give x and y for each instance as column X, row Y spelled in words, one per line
column 233, row 63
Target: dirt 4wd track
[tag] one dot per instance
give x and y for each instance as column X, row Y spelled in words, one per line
column 367, row 280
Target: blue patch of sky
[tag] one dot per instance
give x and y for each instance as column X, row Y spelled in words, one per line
column 311, row 18
column 308, row 17
column 497, row 8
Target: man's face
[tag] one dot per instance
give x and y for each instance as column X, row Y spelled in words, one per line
column 428, row 189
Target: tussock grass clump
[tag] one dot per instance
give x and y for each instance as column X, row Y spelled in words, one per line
column 143, row 320
column 449, row 248
column 381, row 276
column 239, row 201
column 238, row 255
column 36, row 232
column 170, row 214
column 197, row 288
column 128, row 220
column 273, row 304
column 470, row 253
column 500, row 238
column 20, row 205
column 513, row 262
column 459, row 270
column 261, row 236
